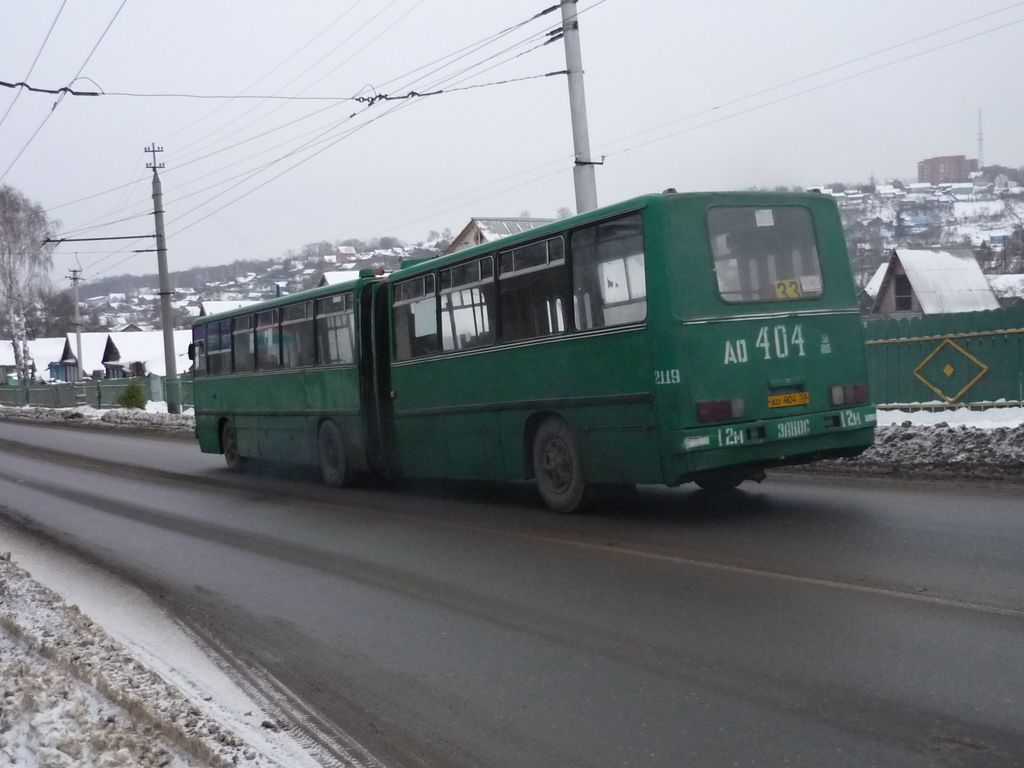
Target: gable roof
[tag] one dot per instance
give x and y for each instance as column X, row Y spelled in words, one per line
column 944, row 281
column 147, row 347
column 873, row 285
column 94, row 344
column 490, row 229
column 44, row 351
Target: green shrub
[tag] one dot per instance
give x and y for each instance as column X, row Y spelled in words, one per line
column 132, row 396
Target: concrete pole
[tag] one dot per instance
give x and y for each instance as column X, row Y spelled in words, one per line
column 583, row 171
column 76, row 275
column 166, row 315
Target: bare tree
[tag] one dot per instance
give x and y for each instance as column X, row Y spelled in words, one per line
column 25, row 263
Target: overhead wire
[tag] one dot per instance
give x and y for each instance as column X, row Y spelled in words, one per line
column 323, row 138
column 824, row 70
column 184, row 151
column 456, row 54
column 59, row 97
column 333, row 140
column 272, row 70
column 35, row 60
column 740, row 99
column 812, row 89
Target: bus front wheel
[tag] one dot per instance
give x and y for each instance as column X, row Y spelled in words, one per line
column 331, row 451
column 557, row 467
column 229, row 444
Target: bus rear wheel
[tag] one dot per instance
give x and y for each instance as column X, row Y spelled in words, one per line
column 229, row 444
column 331, row 452
column 557, row 467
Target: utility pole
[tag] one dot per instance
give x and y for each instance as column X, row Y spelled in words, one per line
column 166, row 316
column 981, row 143
column 583, row 170
column 75, row 277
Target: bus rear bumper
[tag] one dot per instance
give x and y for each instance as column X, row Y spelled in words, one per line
column 773, row 442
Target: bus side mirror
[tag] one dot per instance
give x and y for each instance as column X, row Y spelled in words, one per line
column 192, row 351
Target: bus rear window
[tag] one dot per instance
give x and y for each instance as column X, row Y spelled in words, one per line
column 764, row 254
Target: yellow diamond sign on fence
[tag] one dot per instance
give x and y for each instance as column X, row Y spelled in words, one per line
column 950, row 370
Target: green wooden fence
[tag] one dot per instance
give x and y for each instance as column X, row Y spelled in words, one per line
column 970, row 358
column 98, row 394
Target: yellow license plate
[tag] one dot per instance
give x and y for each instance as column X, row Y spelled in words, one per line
column 788, row 399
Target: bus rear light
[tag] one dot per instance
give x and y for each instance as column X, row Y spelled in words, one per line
column 850, row 394
column 720, row 410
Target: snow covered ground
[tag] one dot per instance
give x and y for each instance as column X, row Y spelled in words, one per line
column 92, row 674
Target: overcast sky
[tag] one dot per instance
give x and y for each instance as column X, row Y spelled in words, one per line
column 691, row 95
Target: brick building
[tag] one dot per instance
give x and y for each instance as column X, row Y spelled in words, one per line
column 943, row 170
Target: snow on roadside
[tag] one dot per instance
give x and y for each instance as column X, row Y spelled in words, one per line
column 74, row 696
column 155, row 418
column 51, row 719
column 990, row 418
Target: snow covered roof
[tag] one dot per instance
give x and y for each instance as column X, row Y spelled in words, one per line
column 871, row 289
column 148, row 347
column 945, row 281
column 486, row 230
column 216, row 307
column 338, row 276
column 94, row 344
column 1004, row 286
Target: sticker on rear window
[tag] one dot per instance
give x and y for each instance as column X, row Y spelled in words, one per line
column 810, row 283
column 764, row 217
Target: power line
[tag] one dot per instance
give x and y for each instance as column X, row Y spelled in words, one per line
column 35, row 60
column 359, row 99
column 471, row 48
column 812, row 89
column 331, row 141
column 272, row 70
column 374, row 17
column 60, row 97
column 459, row 53
column 823, row 71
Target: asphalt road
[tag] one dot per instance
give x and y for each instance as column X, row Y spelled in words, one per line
column 802, row 622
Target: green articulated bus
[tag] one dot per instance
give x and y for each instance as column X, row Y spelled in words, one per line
column 670, row 338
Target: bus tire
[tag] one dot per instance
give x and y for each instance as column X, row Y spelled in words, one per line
column 229, row 445
column 558, row 467
column 330, row 450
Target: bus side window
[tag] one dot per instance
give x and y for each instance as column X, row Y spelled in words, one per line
column 414, row 318
column 335, row 330
column 533, row 287
column 244, row 351
column 468, row 305
column 609, row 278
column 218, row 347
column 298, row 343
column 268, row 341
column 199, row 350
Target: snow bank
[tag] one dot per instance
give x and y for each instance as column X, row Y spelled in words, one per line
column 990, row 418
column 72, row 696
column 154, row 417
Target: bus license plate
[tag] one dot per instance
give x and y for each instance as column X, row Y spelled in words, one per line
column 788, row 399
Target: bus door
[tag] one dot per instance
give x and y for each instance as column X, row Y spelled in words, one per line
column 375, row 361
